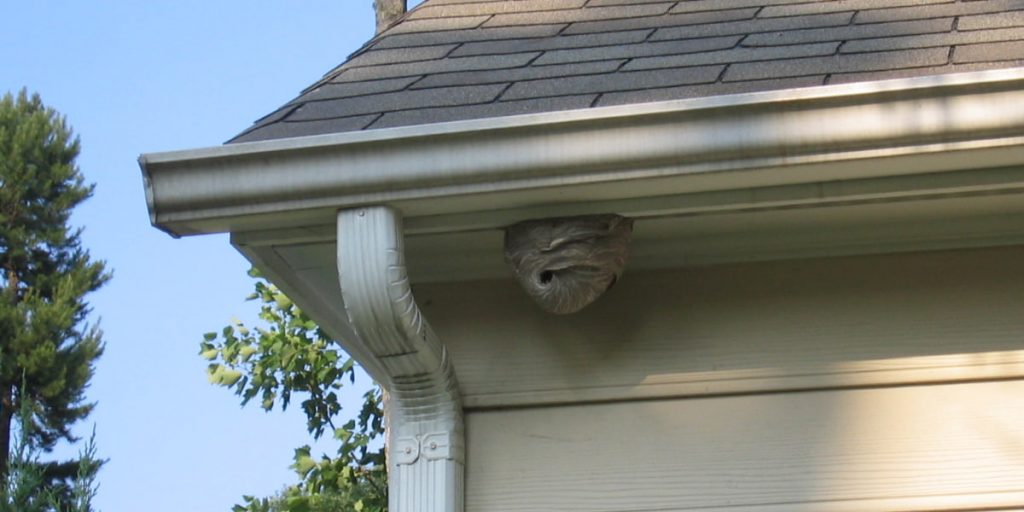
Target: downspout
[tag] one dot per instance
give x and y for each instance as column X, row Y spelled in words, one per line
column 425, row 433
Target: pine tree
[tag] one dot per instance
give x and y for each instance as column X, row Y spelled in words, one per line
column 47, row 350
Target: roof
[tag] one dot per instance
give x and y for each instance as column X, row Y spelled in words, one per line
column 450, row 60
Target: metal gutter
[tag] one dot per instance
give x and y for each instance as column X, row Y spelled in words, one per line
column 935, row 123
column 425, row 432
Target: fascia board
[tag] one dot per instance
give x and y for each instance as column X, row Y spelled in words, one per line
column 719, row 143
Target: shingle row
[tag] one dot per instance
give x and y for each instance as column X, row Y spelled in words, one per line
column 464, row 59
column 927, row 10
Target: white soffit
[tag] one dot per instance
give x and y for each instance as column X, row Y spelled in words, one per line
column 649, row 159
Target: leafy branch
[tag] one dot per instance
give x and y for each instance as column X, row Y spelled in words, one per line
column 291, row 356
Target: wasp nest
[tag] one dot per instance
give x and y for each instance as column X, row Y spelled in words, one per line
column 566, row 263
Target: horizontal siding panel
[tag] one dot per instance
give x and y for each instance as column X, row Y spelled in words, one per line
column 940, row 447
column 742, row 328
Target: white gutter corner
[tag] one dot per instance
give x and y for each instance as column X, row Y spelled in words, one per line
column 425, row 433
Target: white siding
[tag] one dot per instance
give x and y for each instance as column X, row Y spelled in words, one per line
column 890, row 382
column 936, row 447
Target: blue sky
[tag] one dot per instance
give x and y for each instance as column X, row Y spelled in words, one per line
column 135, row 77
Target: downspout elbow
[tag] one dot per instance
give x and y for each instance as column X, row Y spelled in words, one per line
column 425, row 433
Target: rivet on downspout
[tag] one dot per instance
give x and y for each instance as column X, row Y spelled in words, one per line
column 566, row 263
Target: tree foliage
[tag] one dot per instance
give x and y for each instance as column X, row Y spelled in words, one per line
column 291, row 357
column 47, row 349
column 25, row 485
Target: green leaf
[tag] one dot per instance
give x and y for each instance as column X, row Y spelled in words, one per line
column 282, row 300
column 219, row 374
column 305, row 465
column 286, row 354
column 298, row 504
column 212, row 373
column 229, row 377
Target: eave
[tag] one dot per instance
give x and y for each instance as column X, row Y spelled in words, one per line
column 481, row 174
column 907, row 165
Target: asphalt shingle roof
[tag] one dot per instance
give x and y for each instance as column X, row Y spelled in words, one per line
column 450, row 60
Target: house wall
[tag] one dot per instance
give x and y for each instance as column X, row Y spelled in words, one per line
column 936, row 447
column 892, row 382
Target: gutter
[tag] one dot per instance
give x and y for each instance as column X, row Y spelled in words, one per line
column 930, row 124
column 425, row 433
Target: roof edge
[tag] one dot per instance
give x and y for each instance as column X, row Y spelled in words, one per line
column 763, row 138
